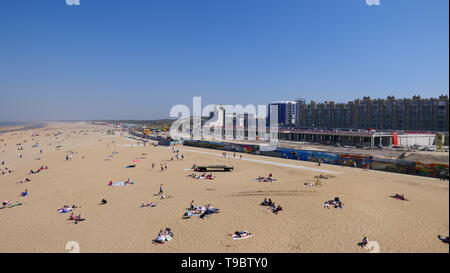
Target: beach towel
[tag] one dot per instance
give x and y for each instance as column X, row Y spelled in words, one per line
column 118, row 184
column 136, row 160
column 13, row 205
column 64, row 210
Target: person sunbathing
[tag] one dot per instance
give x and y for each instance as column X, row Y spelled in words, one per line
column 443, row 239
column 110, row 183
column 103, row 202
column 277, row 209
column 23, row 194
column 164, row 236
column 5, row 204
column 75, row 218
column 64, row 209
column 242, row 234
column 151, row 204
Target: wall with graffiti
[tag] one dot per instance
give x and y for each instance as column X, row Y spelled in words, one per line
column 381, row 164
column 232, row 147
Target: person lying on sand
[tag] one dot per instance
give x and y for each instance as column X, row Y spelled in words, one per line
column 5, row 204
column 241, row 234
column 23, row 194
column 399, row 197
column 64, row 209
column 164, row 236
column 443, row 239
column 151, row 204
column 102, row 202
column 264, row 179
column 277, row 209
column 336, row 203
column 33, row 172
column 75, row 218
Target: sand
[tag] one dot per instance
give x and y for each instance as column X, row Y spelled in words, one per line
column 121, row 226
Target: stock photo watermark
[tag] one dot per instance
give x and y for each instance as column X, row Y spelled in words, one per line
column 373, row 2
column 72, row 247
column 373, row 246
column 72, row 2
column 225, row 122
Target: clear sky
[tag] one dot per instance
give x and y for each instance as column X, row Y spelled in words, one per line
column 135, row 59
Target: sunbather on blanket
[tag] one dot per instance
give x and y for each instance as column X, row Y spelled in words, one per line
column 23, row 194
column 151, row 204
column 75, row 218
column 65, row 209
column 241, row 235
column 5, row 204
column 443, row 239
column 265, row 179
column 277, row 209
column 164, row 236
column 336, row 203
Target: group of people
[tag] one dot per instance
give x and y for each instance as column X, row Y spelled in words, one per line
column 147, row 205
column 266, row 179
column 336, row 203
column 271, row 205
column 177, row 157
column 202, row 176
column 5, row 171
column 39, row 170
column 164, row 236
column 66, row 209
column 201, row 211
column 317, row 182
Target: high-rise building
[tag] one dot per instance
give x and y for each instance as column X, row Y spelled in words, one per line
column 414, row 114
column 287, row 113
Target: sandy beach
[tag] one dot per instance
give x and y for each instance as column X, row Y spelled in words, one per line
column 122, row 226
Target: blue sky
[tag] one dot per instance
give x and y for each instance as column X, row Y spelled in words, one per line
column 135, row 59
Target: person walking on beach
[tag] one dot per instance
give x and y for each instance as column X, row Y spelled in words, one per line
column 161, row 190
column 153, row 166
column 165, row 166
column 162, row 168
